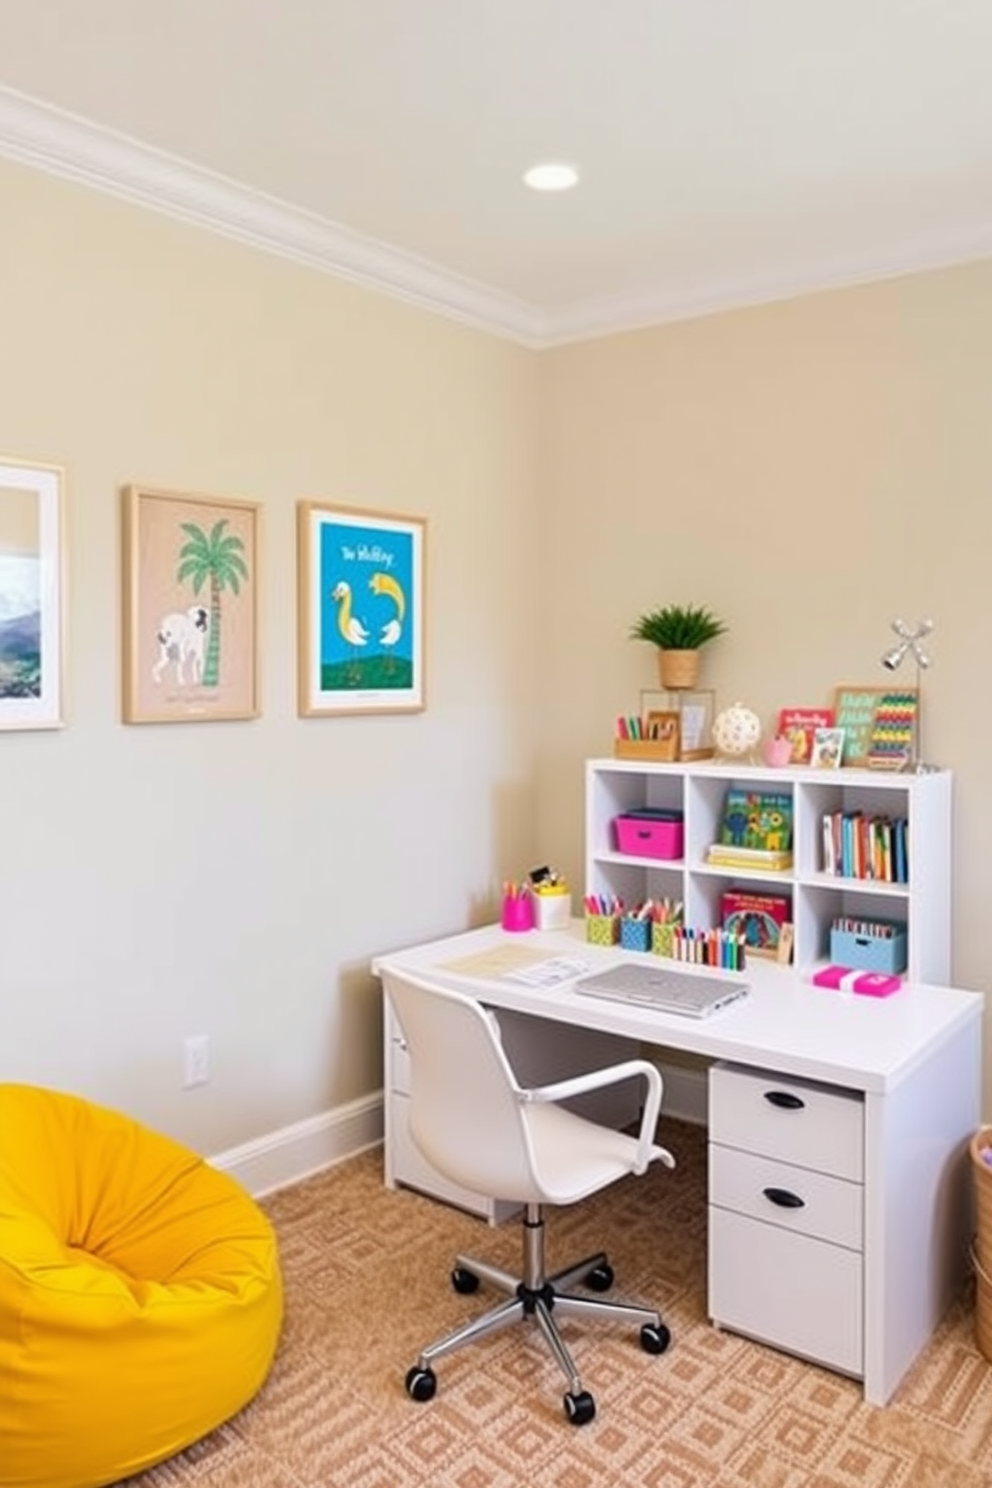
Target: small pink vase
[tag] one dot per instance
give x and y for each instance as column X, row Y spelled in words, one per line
column 778, row 752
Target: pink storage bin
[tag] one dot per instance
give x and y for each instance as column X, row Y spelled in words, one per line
column 650, row 834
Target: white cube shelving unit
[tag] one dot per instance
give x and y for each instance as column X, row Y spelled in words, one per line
column 923, row 904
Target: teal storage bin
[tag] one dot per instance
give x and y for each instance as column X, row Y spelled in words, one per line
column 883, row 950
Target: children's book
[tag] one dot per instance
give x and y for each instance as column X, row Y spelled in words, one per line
column 758, row 918
column 757, row 820
column 798, row 724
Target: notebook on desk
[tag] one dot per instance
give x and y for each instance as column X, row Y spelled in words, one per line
column 695, row 995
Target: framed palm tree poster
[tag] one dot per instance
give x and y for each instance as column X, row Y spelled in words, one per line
column 361, row 610
column 190, row 631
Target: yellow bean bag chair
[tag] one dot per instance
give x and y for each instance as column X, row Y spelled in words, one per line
column 140, row 1294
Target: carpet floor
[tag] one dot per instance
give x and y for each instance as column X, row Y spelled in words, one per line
column 366, row 1274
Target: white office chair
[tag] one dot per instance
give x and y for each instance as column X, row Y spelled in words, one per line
column 475, row 1124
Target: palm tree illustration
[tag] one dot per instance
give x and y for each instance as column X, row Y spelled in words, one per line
column 217, row 560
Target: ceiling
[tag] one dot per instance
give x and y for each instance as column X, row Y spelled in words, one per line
column 731, row 151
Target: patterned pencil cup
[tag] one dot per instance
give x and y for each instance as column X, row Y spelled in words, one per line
column 635, row 935
column 662, row 939
column 602, row 929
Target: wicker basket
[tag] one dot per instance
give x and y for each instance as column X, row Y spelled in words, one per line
column 981, row 1250
column 677, row 669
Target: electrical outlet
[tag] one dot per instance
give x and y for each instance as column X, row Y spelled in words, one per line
column 196, row 1060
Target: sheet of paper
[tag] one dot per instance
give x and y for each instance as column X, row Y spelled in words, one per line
column 496, row 961
column 530, row 965
column 549, row 973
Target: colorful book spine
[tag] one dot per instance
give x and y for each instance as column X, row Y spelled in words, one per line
column 865, row 847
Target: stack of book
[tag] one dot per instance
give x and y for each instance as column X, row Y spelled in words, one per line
column 755, row 831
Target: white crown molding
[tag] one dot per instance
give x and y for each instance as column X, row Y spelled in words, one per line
column 612, row 317
column 64, row 145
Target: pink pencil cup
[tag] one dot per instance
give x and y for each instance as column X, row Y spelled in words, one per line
column 518, row 912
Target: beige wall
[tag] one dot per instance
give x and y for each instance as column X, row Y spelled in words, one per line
column 809, row 470
column 235, row 879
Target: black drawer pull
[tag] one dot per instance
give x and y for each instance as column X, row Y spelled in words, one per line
column 785, row 1100
column 784, row 1199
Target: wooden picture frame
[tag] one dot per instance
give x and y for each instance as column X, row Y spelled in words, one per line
column 854, row 711
column 361, row 610
column 190, row 607
column 32, row 599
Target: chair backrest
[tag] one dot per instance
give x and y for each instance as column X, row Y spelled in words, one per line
column 465, row 1110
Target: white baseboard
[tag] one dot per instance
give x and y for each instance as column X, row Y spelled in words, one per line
column 685, row 1093
column 307, row 1147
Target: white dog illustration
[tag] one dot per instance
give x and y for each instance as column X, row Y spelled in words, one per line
column 181, row 638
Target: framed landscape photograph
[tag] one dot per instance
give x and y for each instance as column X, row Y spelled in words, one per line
column 32, row 563
column 190, row 612
column 361, row 611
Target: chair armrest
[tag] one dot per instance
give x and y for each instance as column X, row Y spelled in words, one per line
column 613, row 1075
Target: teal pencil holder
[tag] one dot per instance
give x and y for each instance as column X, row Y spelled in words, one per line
column 635, row 935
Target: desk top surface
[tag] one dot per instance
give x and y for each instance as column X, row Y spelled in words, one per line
column 786, row 1024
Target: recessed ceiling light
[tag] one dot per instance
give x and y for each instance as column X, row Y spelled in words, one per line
column 552, row 176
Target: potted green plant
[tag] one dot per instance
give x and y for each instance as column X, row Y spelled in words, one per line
column 678, row 631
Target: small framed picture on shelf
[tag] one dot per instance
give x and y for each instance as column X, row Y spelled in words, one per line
column 828, row 748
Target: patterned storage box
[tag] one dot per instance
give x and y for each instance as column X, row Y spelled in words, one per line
column 878, row 945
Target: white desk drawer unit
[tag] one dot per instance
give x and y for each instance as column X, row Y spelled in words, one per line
column 786, row 1214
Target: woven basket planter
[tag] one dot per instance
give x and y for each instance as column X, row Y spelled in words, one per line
column 981, row 1250
column 678, row 669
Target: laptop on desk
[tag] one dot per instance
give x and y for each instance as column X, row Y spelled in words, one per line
column 667, row 989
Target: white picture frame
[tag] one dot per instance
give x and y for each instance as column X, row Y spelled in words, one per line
column 32, row 601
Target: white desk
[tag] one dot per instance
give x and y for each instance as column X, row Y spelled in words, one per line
column 911, row 1060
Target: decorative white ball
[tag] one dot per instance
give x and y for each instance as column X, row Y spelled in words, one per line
column 736, row 730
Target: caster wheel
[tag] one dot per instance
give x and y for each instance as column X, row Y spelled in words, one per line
column 580, row 1408
column 600, row 1278
column 655, row 1340
column 420, row 1383
column 464, row 1281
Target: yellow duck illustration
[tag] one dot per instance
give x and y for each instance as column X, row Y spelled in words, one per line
column 383, row 583
column 352, row 630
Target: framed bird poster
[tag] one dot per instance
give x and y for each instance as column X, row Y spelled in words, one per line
column 361, row 610
column 190, row 628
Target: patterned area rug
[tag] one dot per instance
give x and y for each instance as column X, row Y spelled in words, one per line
column 367, row 1284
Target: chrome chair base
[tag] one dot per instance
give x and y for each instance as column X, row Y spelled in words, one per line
column 540, row 1298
